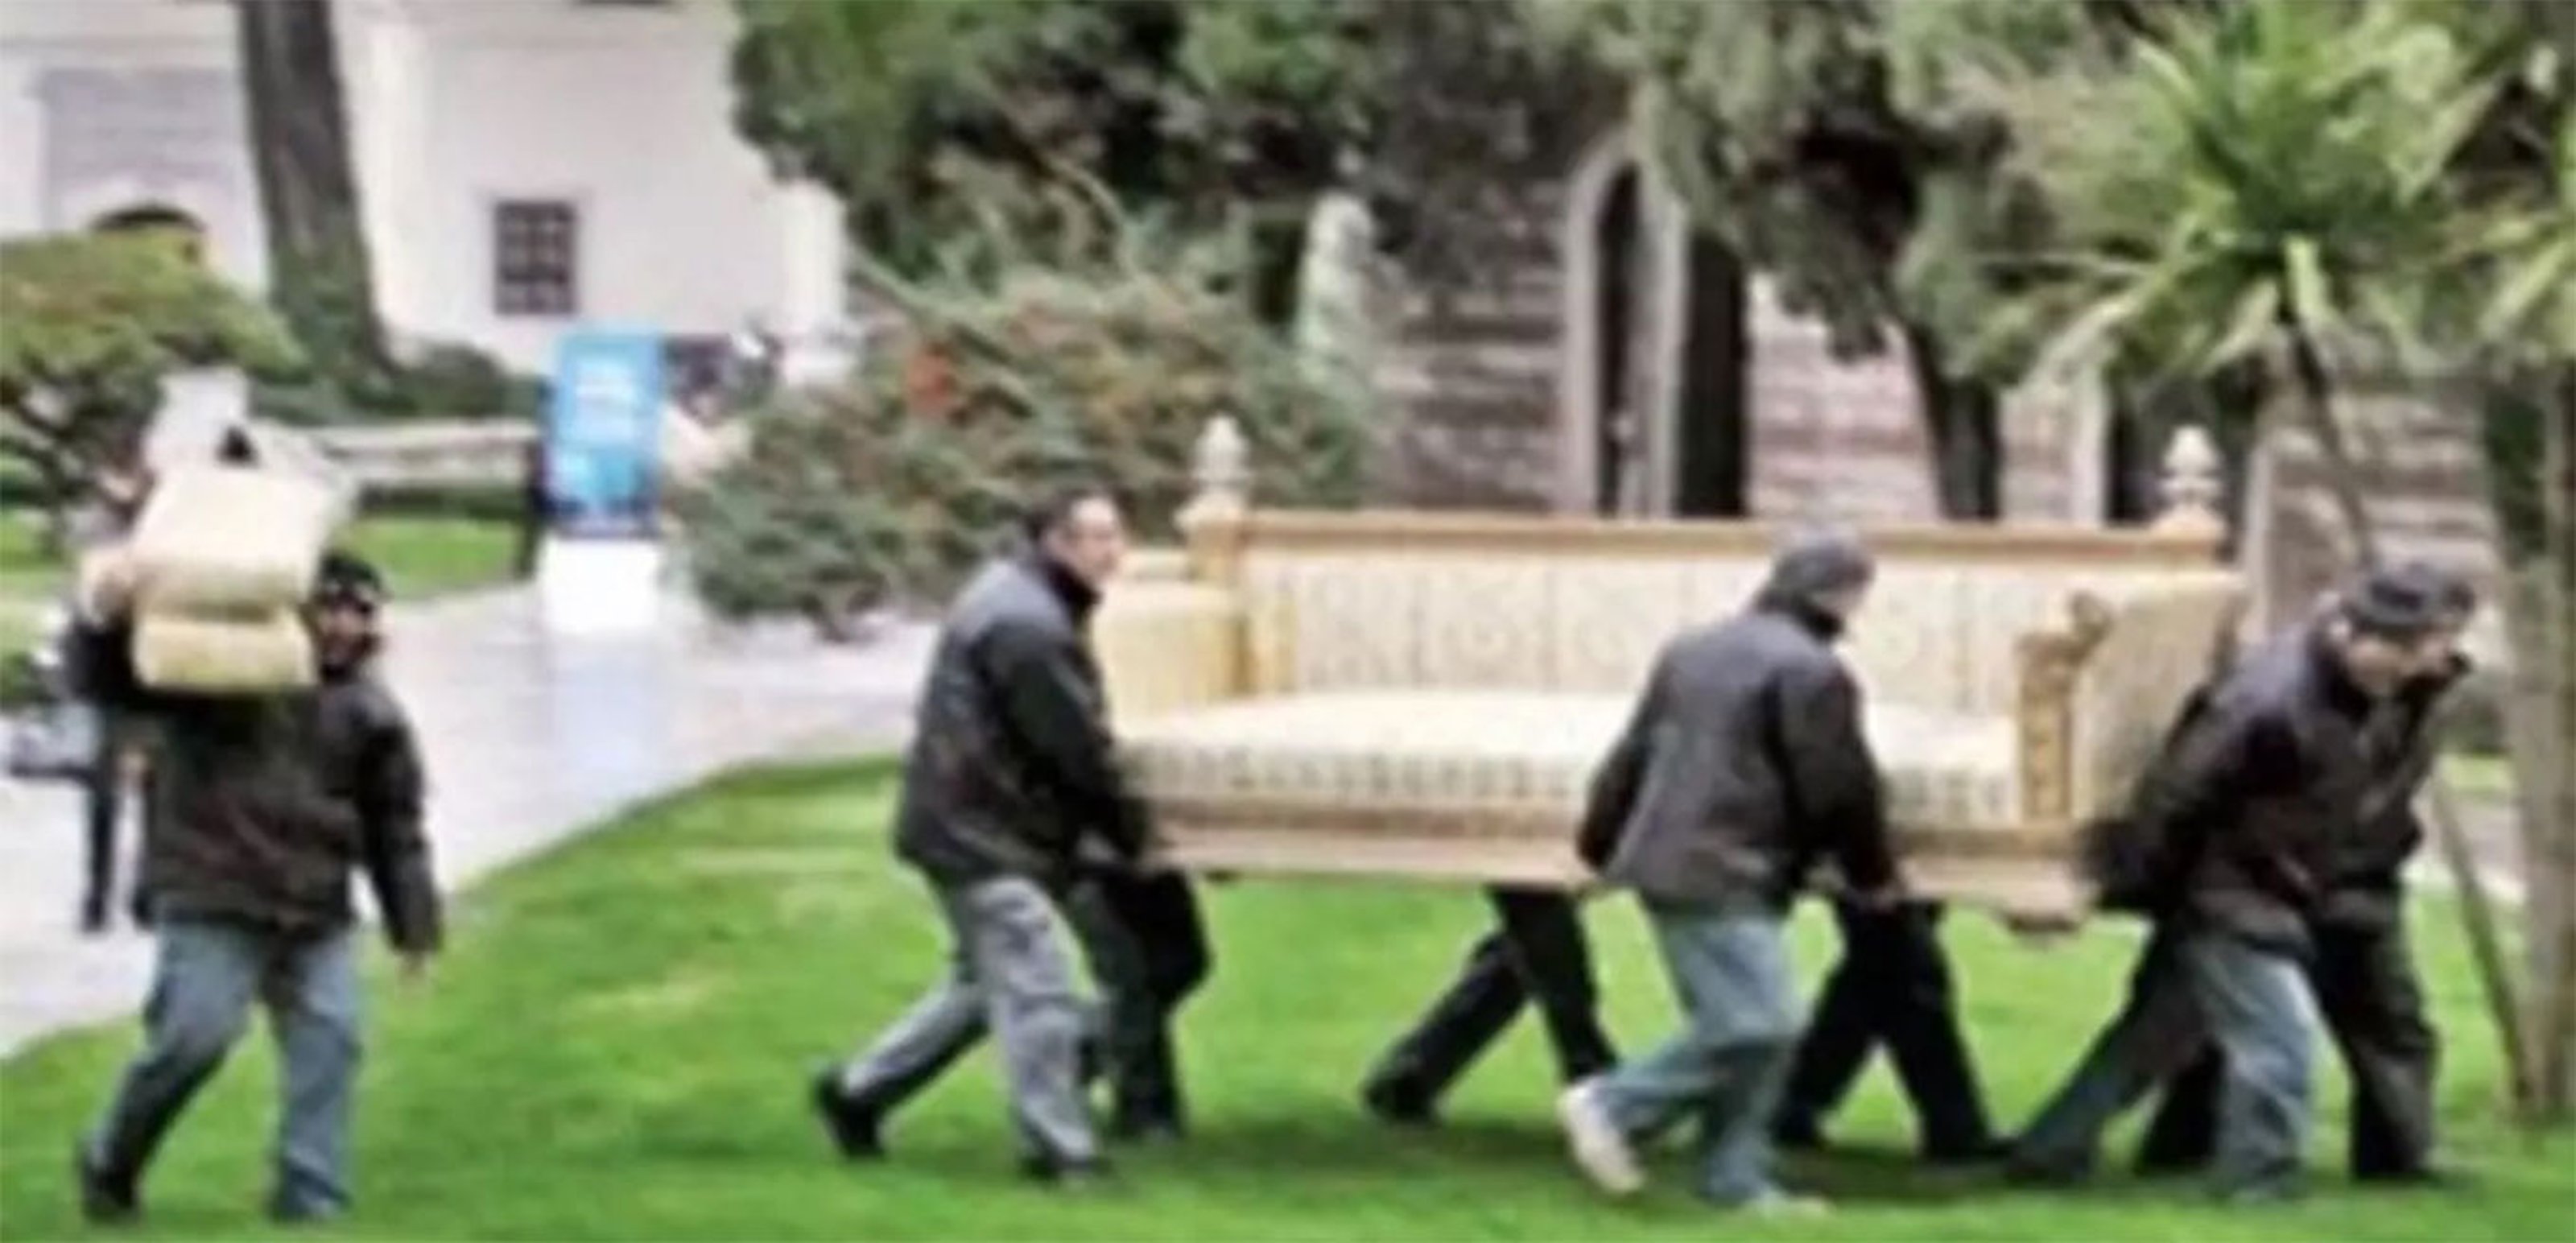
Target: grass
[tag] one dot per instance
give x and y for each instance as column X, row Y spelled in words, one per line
column 617, row 1043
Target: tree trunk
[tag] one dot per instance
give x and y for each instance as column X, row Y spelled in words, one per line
column 2544, row 732
column 2343, row 475
column 2528, row 480
column 319, row 271
column 1963, row 421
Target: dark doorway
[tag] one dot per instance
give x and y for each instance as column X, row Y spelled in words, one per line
column 1614, row 238
column 1711, row 457
column 157, row 218
column 2128, row 470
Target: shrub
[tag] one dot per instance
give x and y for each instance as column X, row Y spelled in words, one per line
column 898, row 483
column 90, row 326
column 446, row 381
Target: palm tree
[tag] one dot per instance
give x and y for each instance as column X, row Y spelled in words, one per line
column 2262, row 185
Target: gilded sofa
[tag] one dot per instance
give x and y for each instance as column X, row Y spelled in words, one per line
column 1424, row 695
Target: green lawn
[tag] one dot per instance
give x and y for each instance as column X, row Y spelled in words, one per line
column 618, row 1043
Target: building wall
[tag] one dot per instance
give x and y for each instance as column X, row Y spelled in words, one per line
column 623, row 110
column 111, row 104
column 1477, row 403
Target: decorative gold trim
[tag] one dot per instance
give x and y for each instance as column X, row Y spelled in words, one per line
column 1403, row 532
column 2047, row 664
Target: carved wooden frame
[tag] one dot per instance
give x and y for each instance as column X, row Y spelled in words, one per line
column 1220, row 524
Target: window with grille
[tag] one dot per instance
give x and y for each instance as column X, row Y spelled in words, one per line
column 536, row 254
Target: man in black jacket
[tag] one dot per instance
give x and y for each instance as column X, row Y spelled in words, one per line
column 2364, row 969
column 1537, row 952
column 1744, row 763
column 1011, row 796
column 262, row 806
column 2250, row 810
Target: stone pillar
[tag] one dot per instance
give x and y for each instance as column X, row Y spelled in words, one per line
column 815, row 288
column 1212, row 524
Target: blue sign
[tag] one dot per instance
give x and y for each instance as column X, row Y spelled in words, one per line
column 604, row 434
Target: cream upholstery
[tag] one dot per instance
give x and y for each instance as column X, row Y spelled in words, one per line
column 1520, row 750
column 1428, row 694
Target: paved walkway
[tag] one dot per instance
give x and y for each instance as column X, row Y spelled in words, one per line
column 528, row 740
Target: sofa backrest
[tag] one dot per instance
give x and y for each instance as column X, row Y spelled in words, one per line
column 1352, row 600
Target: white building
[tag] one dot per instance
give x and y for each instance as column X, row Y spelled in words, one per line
column 524, row 165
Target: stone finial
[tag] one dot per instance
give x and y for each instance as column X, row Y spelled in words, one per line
column 2192, row 490
column 1212, row 523
column 1220, row 466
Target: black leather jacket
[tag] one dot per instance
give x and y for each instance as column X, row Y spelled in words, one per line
column 262, row 806
column 1745, row 763
column 2261, row 791
column 1011, row 764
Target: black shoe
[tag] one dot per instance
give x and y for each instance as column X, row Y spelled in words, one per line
column 1981, row 1152
column 1797, row 1135
column 1063, row 1175
column 2427, row 1177
column 1145, row 1129
column 106, row 1199
column 852, row 1123
column 93, row 916
column 2023, row 1171
column 1396, row 1106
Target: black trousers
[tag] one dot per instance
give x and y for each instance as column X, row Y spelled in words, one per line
column 1891, row 987
column 1150, row 953
column 2373, row 1004
column 1537, row 953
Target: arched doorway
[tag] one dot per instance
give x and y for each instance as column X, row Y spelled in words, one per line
column 157, row 218
column 1652, row 410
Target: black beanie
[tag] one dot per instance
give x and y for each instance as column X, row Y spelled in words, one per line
column 1818, row 563
column 2403, row 603
column 346, row 578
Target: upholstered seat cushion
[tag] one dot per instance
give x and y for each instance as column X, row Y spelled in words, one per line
column 1520, row 755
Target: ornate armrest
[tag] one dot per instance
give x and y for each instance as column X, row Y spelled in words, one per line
column 1165, row 645
column 2164, row 640
column 2099, row 691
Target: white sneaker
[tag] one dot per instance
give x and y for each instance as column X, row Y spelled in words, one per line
column 1599, row 1149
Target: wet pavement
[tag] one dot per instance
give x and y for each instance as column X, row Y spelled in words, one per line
column 529, row 739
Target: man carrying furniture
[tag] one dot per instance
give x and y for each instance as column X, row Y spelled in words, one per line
column 2364, row 969
column 263, row 804
column 2247, row 818
column 1745, row 761
column 1011, row 795
column 1537, row 952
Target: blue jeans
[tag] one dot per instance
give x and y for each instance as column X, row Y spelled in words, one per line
column 2157, row 1033
column 2259, row 1007
column 1730, row 970
column 204, row 979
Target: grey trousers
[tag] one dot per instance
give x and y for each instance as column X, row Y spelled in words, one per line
column 2157, row 1033
column 2264, row 1016
column 1009, row 974
column 1731, row 973
column 205, row 977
